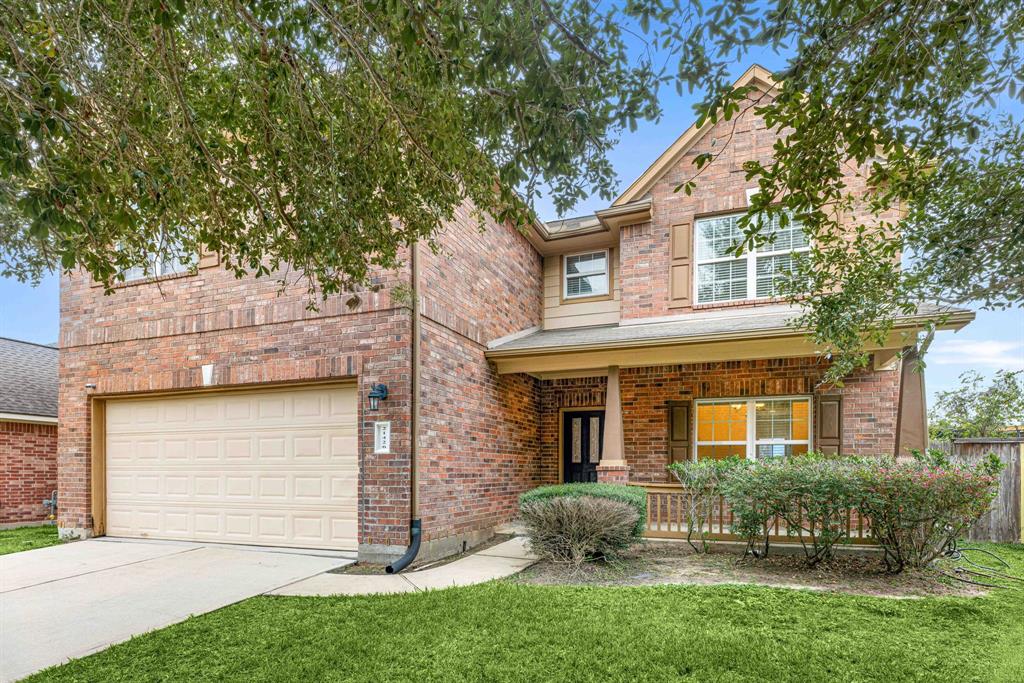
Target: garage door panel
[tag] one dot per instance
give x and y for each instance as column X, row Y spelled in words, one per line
column 302, row 446
column 268, row 468
column 308, row 487
column 286, row 409
column 267, row 526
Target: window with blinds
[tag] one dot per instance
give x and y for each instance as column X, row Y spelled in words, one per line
column 723, row 276
column 586, row 275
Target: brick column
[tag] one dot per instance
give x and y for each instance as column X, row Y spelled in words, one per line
column 613, row 468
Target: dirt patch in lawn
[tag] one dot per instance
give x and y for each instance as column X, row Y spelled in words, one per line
column 673, row 563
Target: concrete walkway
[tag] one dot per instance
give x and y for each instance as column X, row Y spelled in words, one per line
column 496, row 562
column 70, row 600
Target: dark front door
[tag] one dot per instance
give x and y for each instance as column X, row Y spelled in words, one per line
column 582, row 435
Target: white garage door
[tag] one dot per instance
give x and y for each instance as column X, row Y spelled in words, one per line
column 274, row 467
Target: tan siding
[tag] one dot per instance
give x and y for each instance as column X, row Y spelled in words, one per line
column 558, row 315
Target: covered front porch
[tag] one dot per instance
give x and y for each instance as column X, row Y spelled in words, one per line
column 627, row 425
column 621, row 403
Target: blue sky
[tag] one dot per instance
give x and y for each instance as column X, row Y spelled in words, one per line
column 994, row 341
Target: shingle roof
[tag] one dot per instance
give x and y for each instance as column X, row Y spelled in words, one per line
column 28, row 378
column 695, row 327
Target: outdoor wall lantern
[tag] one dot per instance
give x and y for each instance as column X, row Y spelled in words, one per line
column 378, row 392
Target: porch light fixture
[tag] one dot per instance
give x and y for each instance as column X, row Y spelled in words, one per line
column 378, row 392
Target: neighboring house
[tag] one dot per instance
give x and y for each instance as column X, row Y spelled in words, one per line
column 28, row 431
column 597, row 348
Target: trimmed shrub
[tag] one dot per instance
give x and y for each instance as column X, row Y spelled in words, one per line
column 817, row 498
column 574, row 523
column 916, row 509
column 635, row 496
column 702, row 480
column 575, row 529
column 754, row 495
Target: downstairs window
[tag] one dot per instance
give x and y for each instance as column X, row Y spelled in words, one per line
column 756, row 428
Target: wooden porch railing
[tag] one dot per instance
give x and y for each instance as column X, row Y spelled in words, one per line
column 667, row 506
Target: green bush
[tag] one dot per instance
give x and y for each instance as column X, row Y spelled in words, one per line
column 913, row 509
column 755, row 496
column 816, row 497
column 635, row 496
column 702, row 480
column 916, row 509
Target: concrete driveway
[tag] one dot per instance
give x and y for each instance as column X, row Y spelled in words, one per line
column 68, row 601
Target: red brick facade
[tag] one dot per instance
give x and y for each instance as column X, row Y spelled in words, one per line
column 155, row 337
column 721, row 187
column 28, row 470
column 484, row 438
column 479, row 430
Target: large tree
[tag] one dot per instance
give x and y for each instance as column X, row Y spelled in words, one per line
column 906, row 95
column 315, row 134
column 326, row 135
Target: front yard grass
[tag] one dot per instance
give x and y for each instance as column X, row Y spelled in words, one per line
column 509, row 631
column 27, row 538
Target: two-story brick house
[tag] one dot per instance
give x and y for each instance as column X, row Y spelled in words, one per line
column 603, row 347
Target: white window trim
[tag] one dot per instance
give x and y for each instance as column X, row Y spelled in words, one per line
column 749, row 257
column 750, row 445
column 607, row 273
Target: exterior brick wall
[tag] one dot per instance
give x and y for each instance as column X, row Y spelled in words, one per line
column 371, row 346
column 157, row 336
column 720, row 187
column 28, row 470
column 480, row 431
column 870, row 401
column 482, row 285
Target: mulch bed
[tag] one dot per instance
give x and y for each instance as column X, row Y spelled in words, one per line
column 655, row 563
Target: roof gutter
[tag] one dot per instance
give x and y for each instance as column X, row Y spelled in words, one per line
column 24, row 417
column 632, row 213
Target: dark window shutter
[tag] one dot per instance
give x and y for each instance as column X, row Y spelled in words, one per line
column 679, row 431
column 828, row 436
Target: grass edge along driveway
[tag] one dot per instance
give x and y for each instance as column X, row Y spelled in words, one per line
column 506, row 631
column 27, row 538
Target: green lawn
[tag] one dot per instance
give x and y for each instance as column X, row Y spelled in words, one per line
column 506, row 631
column 27, row 538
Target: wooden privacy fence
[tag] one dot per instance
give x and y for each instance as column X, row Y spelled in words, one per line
column 668, row 506
column 1002, row 523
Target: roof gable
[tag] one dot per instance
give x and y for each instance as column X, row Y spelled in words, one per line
column 756, row 74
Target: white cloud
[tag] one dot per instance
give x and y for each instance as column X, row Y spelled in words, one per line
column 978, row 353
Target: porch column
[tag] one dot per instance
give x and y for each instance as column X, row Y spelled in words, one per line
column 613, row 468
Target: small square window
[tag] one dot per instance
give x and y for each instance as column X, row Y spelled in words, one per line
column 586, row 275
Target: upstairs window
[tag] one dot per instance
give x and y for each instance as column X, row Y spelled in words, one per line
column 159, row 264
column 586, row 275
column 721, row 276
